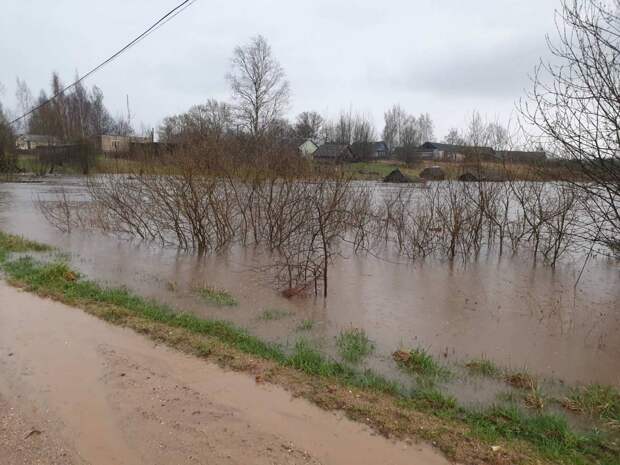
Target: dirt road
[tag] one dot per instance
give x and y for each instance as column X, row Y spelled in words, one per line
column 75, row 390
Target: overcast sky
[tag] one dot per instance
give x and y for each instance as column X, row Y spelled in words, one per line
column 444, row 57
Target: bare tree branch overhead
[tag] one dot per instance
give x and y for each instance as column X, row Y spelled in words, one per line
column 574, row 104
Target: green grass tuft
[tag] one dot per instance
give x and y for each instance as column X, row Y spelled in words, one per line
column 218, row 297
column 354, row 345
column 309, row 360
column 549, row 433
column 420, row 362
column 432, row 399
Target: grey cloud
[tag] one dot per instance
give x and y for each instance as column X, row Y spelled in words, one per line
column 440, row 56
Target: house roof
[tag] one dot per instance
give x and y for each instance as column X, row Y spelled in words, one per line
column 333, row 151
column 37, row 138
column 465, row 149
column 380, row 145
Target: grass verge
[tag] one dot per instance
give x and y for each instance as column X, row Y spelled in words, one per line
column 498, row 435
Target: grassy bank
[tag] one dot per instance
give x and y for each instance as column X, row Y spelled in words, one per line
column 496, row 435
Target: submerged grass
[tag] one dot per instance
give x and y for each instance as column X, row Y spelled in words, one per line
column 483, row 367
column 465, row 435
column 595, row 400
column 418, row 361
column 219, row 297
column 305, row 325
column 273, row 314
column 354, row 345
column 10, row 243
column 521, row 380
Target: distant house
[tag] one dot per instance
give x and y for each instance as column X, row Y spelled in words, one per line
column 120, row 144
column 516, row 156
column 369, row 150
column 307, row 148
column 334, row 152
column 380, row 150
column 413, row 154
column 450, row 152
column 33, row 141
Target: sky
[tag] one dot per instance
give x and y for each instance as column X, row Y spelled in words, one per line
column 444, row 57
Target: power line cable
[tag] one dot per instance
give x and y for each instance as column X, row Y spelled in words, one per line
column 159, row 23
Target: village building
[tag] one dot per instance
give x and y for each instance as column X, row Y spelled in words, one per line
column 380, row 150
column 334, row 153
column 27, row 142
column 307, row 148
column 450, row 152
column 120, row 144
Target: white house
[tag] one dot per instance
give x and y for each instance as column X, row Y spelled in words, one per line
column 32, row 141
column 307, row 148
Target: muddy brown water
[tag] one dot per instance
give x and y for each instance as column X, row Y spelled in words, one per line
column 516, row 314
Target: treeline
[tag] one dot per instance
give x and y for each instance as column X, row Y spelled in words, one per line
column 8, row 162
column 260, row 98
column 77, row 114
column 73, row 119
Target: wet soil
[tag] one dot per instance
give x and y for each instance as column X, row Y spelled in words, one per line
column 28, row 437
column 112, row 396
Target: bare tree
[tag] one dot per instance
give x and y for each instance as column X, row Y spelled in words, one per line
column 308, row 125
column 8, row 163
column 210, row 120
column 74, row 115
column 574, row 106
column 259, row 86
column 426, row 127
column 395, row 119
column 24, row 101
column 410, row 135
column 454, row 137
column 341, row 132
column 404, row 130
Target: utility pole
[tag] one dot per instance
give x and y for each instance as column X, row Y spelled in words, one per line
column 128, row 113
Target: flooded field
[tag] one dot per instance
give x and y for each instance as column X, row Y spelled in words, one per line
column 508, row 310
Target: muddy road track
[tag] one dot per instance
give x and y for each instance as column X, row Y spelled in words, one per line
column 97, row 394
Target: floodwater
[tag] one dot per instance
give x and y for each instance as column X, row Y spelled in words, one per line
column 507, row 309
